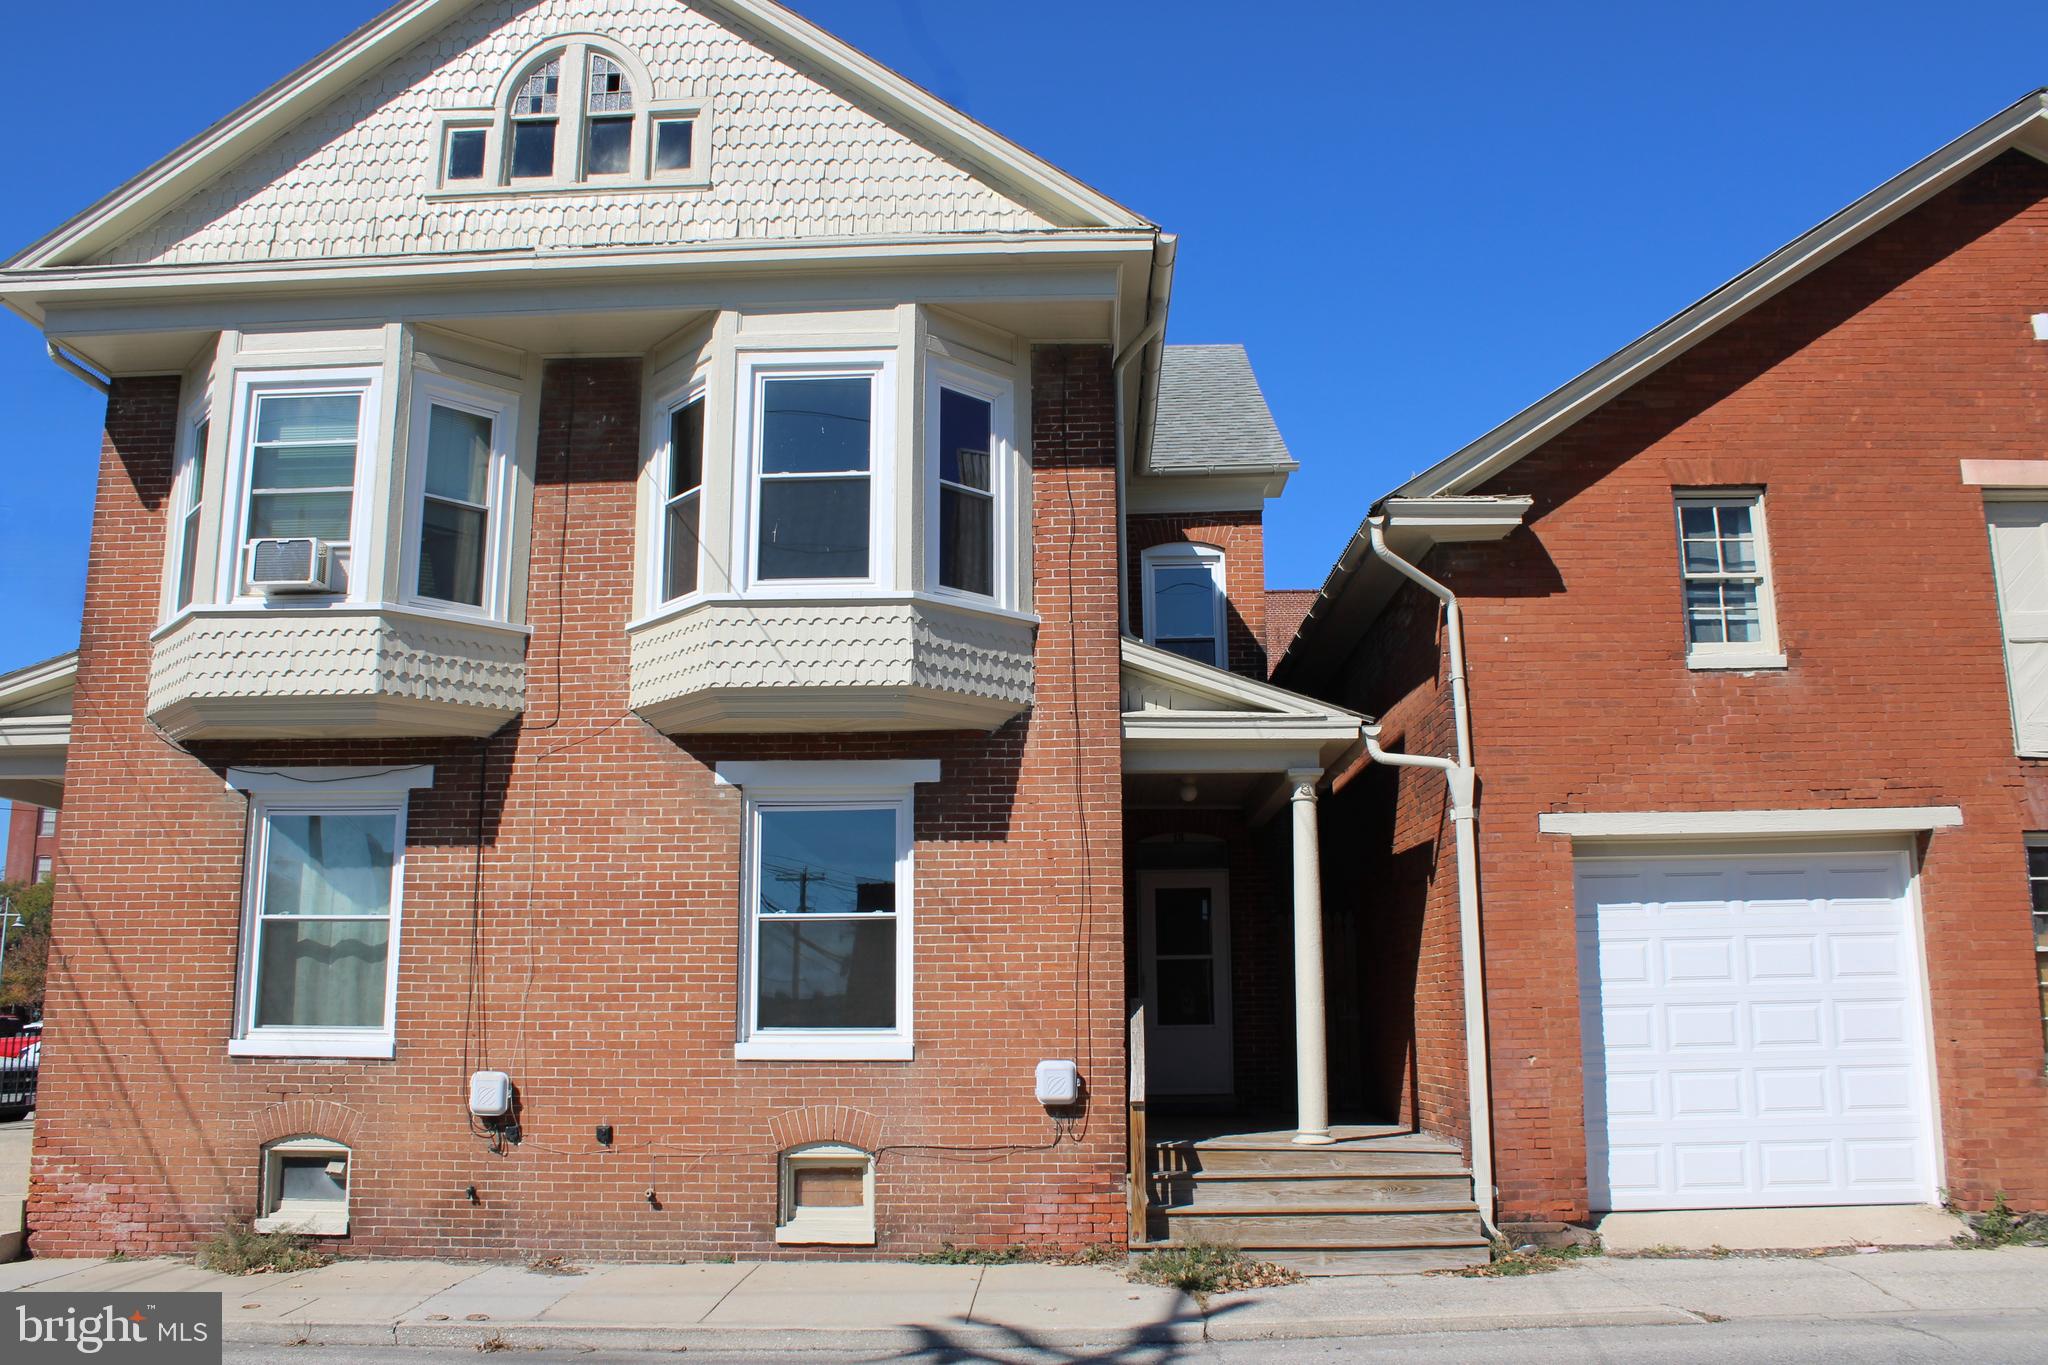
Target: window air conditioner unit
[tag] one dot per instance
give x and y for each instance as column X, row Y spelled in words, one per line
column 288, row 564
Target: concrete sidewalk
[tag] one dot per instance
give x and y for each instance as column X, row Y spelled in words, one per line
column 782, row 1305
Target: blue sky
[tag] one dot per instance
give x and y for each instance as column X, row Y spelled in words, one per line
column 1419, row 218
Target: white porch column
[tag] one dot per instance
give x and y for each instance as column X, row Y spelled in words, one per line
column 1311, row 1059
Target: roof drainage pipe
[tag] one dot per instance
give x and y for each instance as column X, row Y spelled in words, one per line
column 1463, row 779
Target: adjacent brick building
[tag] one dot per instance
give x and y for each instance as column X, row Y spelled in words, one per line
column 1770, row 759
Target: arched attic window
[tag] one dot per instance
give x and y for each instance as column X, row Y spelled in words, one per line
column 575, row 113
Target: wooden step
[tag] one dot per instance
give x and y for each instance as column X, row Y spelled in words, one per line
column 1207, row 1188
column 1388, row 1225
column 1175, row 1157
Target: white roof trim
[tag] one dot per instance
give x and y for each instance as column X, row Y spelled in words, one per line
column 38, row 679
column 1749, row 823
column 1274, row 704
column 980, row 149
column 1508, row 442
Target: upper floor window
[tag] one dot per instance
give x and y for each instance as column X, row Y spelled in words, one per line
column 575, row 114
column 48, row 825
column 1730, row 621
column 300, row 475
column 2037, row 881
column 460, row 458
column 682, row 498
column 189, row 485
column 1185, row 602
column 2019, row 558
column 967, row 421
column 818, row 467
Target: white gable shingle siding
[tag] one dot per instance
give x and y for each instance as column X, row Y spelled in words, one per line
column 791, row 158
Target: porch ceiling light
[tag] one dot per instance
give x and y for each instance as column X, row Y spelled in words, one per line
column 1188, row 790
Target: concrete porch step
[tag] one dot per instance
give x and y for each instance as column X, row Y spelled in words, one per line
column 1267, row 1189
column 1417, row 1260
column 1336, row 1229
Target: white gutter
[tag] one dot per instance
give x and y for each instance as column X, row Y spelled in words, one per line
column 66, row 362
column 1158, row 294
column 1464, row 785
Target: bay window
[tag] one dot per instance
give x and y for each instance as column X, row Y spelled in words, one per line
column 319, row 960
column 819, row 458
column 967, row 421
column 189, row 485
column 827, row 902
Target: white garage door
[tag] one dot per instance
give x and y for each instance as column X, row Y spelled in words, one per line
column 1753, row 1032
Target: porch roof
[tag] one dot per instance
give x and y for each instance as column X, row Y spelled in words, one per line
column 35, row 729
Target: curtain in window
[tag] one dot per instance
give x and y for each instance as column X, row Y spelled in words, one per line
column 325, row 929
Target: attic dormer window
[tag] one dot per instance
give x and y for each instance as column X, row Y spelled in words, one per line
column 577, row 114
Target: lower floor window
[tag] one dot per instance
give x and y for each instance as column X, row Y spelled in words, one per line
column 2037, row 876
column 320, row 932
column 828, row 1196
column 827, row 895
column 305, row 1187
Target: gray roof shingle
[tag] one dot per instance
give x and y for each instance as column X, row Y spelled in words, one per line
column 1212, row 415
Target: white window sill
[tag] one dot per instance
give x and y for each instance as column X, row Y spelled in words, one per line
column 265, row 1044
column 814, row 1230
column 307, row 1222
column 764, row 597
column 610, row 184
column 823, row 1049
column 1736, row 662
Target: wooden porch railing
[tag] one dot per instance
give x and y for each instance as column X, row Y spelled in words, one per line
column 1141, row 1150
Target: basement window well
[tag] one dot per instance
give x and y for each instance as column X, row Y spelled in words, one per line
column 828, row 1197
column 305, row 1187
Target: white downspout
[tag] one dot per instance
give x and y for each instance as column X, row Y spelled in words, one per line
column 1464, row 783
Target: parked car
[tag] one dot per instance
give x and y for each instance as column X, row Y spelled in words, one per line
column 21, row 1060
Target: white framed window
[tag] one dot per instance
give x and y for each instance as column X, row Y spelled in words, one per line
column 321, row 910
column 828, row 891
column 47, row 822
column 305, row 1187
column 971, row 482
column 818, row 432
column 188, row 491
column 46, row 868
column 679, row 534
column 575, row 114
column 1185, row 602
column 459, row 463
column 1724, row 565
column 299, row 471
column 2019, row 563
column 2037, row 884
column 827, row 1196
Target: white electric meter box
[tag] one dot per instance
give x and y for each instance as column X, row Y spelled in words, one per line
column 1058, row 1083
column 490, row 1094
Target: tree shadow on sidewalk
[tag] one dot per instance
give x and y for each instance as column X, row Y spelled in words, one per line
column 1173, row 1338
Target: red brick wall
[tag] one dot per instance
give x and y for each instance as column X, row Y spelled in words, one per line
column 1286, row 608
column 1851, row 398
column 1242, row 538
column 26, row 842
column 602, row 944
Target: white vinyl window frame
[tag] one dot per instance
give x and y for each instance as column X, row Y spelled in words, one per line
column 307, row 1217
column 847, row 1226
column 1186, row 555
column 1763, row 652
column 828, row 785
column 666, row 496
column 318, row 791
column 250, row 388
column 47, row 822
column 2037, row 888
column 756, row 370
column 1004, row 479
column 189, row 579
column 501, row 408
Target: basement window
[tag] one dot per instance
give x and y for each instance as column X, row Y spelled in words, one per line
column 305, row 1187
column 828, row 1197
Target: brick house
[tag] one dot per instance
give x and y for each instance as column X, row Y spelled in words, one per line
column 667, row 629
column 1749, row 616
column 35, row 733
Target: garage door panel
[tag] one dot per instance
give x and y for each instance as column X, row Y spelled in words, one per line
column 1752, row 1032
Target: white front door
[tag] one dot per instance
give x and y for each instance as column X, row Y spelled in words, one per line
column 1754, row 1031
column 1184, row 941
